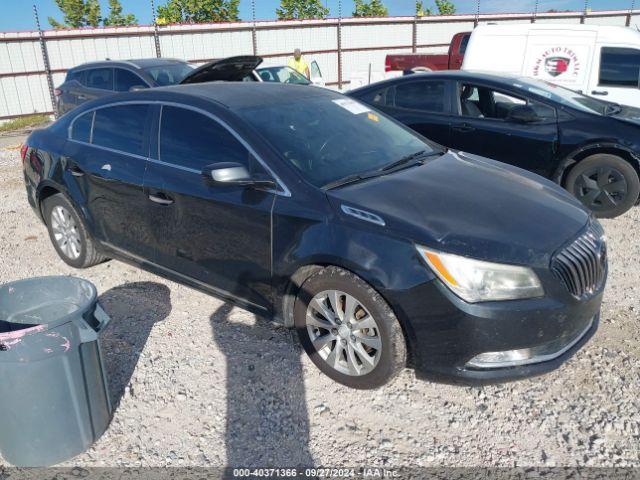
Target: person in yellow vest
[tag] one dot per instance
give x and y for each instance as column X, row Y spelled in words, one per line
column 299, row 64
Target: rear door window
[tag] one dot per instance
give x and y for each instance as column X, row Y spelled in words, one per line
column 77, row 76
column 377, row 98
column 193, row 140
column 100, row 78
column 81, row 128
column 126, row 79
column 619, row 67
column 121, row 128
column 424, row 95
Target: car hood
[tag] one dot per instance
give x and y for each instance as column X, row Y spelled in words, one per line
column 628, row 114
column 232, row 69
column 471, row 206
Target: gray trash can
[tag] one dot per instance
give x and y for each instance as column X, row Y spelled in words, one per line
column 54, row 396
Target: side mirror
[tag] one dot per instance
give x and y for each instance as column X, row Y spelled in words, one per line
column 135, row 88
column 233, row 174
column 523, row 114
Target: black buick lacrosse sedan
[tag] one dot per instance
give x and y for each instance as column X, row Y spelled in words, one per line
column 380, row 247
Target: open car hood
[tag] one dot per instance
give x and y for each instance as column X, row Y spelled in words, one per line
column 232, row 69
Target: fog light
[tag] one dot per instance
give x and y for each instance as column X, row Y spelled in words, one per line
column 508, row 358
column 526, row 356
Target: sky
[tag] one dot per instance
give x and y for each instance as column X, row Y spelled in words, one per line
column 18, row 14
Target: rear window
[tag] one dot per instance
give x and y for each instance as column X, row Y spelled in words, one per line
column 169, row 74
column 422, row 95
column 620, row 67
column 81, row 129
column 121, row 128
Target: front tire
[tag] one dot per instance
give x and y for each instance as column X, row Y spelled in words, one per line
column 69, row 234
column 348, row 330
column 606, row 184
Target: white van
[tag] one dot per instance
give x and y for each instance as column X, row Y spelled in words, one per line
column 599, row 61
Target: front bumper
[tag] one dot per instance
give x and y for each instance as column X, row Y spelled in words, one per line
column 446, row 333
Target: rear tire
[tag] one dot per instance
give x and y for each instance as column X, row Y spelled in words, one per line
column 606, row 184
column 69, row 234
column 359, row 343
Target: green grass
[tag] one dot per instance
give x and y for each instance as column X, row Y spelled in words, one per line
column 24, row 122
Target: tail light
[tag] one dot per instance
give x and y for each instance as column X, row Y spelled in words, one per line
column 57, row 92
column 387, row 64
column 23, row 152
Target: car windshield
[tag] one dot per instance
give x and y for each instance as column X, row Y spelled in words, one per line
column 564, row 96
column 282, row 75
column 328, row 138
column 165, row 75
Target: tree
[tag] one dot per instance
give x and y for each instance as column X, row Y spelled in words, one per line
column 372, row 8
column 74, row 14
column 116, row 18
column 445, row 7
column 199, row 11
column 87, row 13
column 301, row 9
column 93, row 13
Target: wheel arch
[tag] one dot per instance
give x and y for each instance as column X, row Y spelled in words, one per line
column 45, row 190
column 583, row 152
column 306, row 271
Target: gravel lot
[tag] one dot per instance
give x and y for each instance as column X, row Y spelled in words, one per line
column 198, row 382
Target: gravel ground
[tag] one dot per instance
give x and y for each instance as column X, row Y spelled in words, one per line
column 200, row 383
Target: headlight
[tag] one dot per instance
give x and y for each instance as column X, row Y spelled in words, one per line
column 478, row 281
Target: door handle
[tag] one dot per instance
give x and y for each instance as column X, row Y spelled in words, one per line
column 464, row 127
column 160, row 198
column 599, row 92
column 75, row 170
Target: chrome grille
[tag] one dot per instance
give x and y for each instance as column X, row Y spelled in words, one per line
column 582, row 265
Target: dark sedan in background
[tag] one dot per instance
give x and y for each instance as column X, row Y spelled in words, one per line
column 590, row 147
column 100, row 79
column 299, row 203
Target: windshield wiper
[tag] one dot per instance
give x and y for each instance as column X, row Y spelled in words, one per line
column 404, row 161
column 356, row 177
column 408, row 158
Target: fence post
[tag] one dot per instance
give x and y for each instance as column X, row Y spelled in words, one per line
column 156, row 35
column 414, row 35
column 476, row 20
column 535, row 12
column 628, row 22
column 47, row 64
column 584, row 11
column 254, row 33
column 339, row 44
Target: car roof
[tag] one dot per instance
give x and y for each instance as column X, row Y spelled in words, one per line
column 140, row 63
column 498, row 79
column 235, row 95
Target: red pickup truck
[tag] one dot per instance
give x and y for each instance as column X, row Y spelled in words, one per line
column 449, row 61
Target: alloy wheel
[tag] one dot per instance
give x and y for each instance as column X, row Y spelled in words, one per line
column 343, row 332
column 601, row 188
column 65, row 232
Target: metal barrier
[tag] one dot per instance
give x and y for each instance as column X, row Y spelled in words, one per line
column 31, row 63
